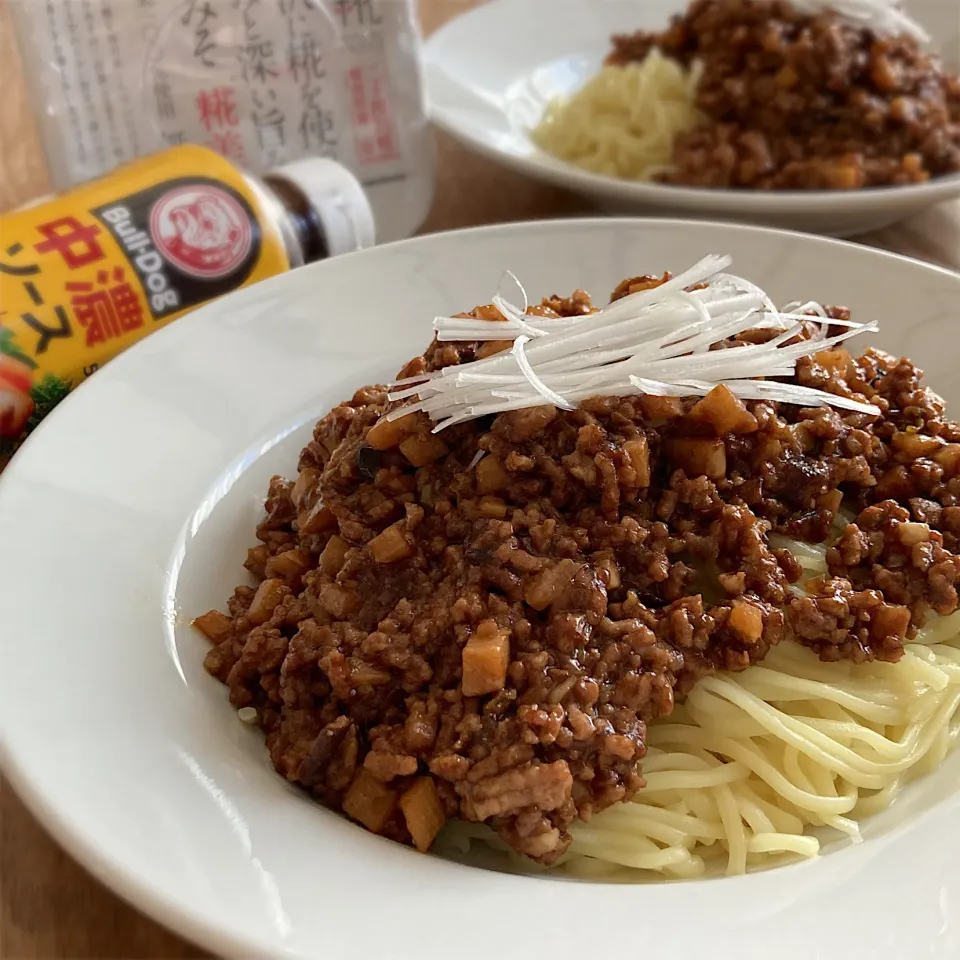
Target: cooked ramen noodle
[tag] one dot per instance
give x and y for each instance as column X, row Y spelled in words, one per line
column 625, row 120
column 658, row 588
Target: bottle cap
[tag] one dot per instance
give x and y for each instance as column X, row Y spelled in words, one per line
column 338, row 199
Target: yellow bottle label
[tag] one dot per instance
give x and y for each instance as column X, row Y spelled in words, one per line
column 85, row 275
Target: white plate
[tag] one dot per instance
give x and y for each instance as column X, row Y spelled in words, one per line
column 491, row 72
column 130, row 510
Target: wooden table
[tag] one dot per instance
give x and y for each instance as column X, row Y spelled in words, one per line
column 49, row 906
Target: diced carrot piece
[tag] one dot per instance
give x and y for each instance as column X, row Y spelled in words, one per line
column 420, row 450
column 391, row 545
column 698, row 456
column 638, row 451
column 491, row 476
column 265, row 601
column 289, row 565
column 723, row 413
column 215, row 626
column 369, row 801
column 333, row 555
column 486, row 656
column 387, row 434
column 746, row 620
column 423, row 812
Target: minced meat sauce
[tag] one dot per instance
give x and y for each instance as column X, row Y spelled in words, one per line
column 795, row 101
column 436, row 635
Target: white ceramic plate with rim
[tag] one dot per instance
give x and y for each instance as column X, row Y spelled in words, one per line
column 130, row 510
column 491, row 72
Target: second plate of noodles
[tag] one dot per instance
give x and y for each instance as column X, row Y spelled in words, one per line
column 613, row 101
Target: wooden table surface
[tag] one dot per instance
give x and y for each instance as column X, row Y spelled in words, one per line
column 49, row 906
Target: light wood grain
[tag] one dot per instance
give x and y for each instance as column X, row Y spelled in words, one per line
column 49, row 906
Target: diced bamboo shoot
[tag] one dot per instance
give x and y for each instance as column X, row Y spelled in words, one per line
column 837, row 360
column 305, row 485
column 490, row 347
column 914, row 445
column 289, row 565
column 338, row 601
column 215, row 626
column 658, row 409
column 387, row 434
column 318, row 519
column 491, row 476
column 830, row 500
column 486, row 657
column 889, row 620
column 391, row 545
column 423, row 812
column 699, row 456
column 369, row 801
column 265, row 601
column 913, row 533
column 948, row 457
column 421, row 450
column 332, row 557
column 256, row 561
column 723, row 413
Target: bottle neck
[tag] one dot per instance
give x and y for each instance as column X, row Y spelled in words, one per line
column 303, row 219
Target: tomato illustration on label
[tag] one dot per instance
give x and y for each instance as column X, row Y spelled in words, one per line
column 201, row 230
column 16, row 404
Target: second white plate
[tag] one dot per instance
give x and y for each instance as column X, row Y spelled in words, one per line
column 492, row 71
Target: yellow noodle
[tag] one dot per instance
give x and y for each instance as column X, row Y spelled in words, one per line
column 624, row 121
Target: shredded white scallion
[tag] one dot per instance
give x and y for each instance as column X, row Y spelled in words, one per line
column 551, row 396
column 657, row 341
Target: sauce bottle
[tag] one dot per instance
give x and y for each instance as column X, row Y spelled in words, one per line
column 86, row 274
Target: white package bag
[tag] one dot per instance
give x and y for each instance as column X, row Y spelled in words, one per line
column 263, row 82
